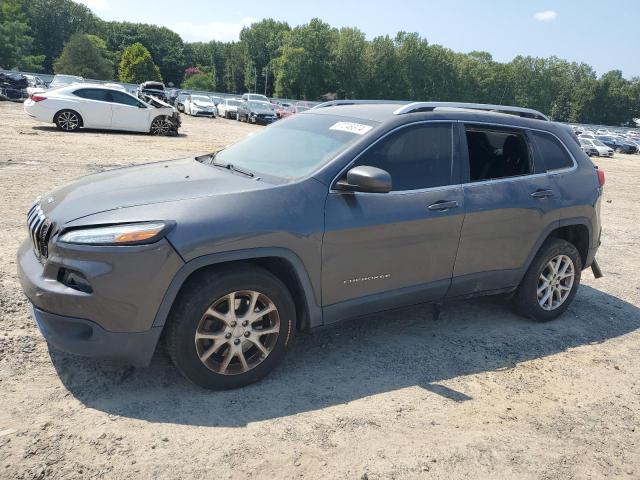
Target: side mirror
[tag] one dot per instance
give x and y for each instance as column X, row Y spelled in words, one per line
column 366, row 179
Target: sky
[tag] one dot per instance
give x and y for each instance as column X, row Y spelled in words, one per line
column 601, row 33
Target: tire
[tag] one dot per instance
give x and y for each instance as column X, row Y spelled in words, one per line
column 160, row 126
column 526, row 300
column 198, row 310
column 68, row 120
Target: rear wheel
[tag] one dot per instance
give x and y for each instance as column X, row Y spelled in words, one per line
column 230, row 328
column 68, row 120
column 550, row 284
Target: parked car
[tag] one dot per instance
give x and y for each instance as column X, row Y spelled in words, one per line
column 216, row 100
column 64, row 80
column 228, row 108
column 154, row 89
column 97, row 106
column 179, row 101
column 13, row 87
column 601, row 149
column 248, row 97
column 617, row 144
column 300, row 107
column 590, row 150
column 339, row 212
column 254, row 111
column 199, row 105
column 284, row 110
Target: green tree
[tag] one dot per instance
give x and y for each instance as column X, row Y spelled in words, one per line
column 261, row 42
column 87, row 56
column 200, row 81
column 16, row 45
column 136, row 65
column 348, row 63
column 165, row 46
column 53, row 22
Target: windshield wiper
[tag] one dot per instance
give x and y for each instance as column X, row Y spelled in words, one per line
column 229, row 166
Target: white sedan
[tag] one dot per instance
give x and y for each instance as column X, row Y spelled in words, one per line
column 603, row 150
column 97, row 106
column 200, row 105
column 228, row 108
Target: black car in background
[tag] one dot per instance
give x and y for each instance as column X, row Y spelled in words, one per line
column 617, row 144
column 254, row 111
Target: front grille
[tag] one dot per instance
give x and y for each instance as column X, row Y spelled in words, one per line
column 40, row 228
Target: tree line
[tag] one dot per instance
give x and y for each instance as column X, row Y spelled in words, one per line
column 313, row 61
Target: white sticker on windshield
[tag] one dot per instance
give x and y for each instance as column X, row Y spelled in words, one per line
column 357, row 128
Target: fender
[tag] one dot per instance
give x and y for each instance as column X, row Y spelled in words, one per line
column 315, row 312
column 563, row 222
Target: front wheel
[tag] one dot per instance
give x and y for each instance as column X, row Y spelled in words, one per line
column 231, row 327
column 160, row 126
column 550, row 284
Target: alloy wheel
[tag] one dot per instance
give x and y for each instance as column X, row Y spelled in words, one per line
column 68, row 121
column 555, row 282
column 237, row 332
column 160, row 127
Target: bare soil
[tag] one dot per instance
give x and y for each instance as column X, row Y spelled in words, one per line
column 478, row 393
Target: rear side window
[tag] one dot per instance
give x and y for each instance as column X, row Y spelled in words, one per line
column 553, row 153
column 93, row 94
column 497, row 153
column 416, row 157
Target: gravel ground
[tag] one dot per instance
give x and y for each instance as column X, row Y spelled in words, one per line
column 477, row 393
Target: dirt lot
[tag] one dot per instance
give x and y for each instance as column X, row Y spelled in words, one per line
column 479, row 393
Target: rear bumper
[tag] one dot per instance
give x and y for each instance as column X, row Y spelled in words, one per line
column 86, row 338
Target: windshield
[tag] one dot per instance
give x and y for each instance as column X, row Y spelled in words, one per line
column 64, row 79
column 295, row 147
column 257, row 97
column 200, row 98
column 599, row 143
column 260, row 106
column 233, row 102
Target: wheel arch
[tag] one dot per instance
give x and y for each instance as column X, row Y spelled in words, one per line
column 283, row 263
column 574, row 230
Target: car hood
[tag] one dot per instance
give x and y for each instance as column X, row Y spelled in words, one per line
column 263, row 110
column 153, row 183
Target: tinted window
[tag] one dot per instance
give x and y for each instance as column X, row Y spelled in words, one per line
column 93, row 94
column 416, row 157
column 124, row 99
column 554, row 155
column 495, row 153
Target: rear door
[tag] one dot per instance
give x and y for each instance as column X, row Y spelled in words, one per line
column 95, row 108
column 129, row 113
column 509, row 202
column 382, row 250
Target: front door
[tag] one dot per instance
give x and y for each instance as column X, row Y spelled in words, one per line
column 382, row 250
column 129, row 113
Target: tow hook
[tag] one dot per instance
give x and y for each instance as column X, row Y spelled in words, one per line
column 595, row 268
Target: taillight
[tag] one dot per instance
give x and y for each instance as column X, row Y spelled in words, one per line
column 38, row 98
column 600, row 177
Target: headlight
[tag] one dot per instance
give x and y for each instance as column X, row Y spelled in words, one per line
column 124, row 234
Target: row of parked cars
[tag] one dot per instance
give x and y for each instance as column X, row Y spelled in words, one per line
column 251, row 107
column 604, row 142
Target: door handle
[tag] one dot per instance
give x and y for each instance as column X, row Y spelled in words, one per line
column 542, row 193
column 442, row 205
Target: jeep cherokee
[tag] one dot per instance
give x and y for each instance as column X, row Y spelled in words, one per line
column 341, row 211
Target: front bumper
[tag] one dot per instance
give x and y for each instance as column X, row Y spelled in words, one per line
column 86, row 338
column 114, row 319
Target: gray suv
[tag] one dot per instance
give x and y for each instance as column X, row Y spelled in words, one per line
column 347, row 209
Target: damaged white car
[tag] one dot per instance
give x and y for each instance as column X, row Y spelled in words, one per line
column 101, row 107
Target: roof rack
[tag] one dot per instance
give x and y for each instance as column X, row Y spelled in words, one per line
column 430, row 106
column 337, row 103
